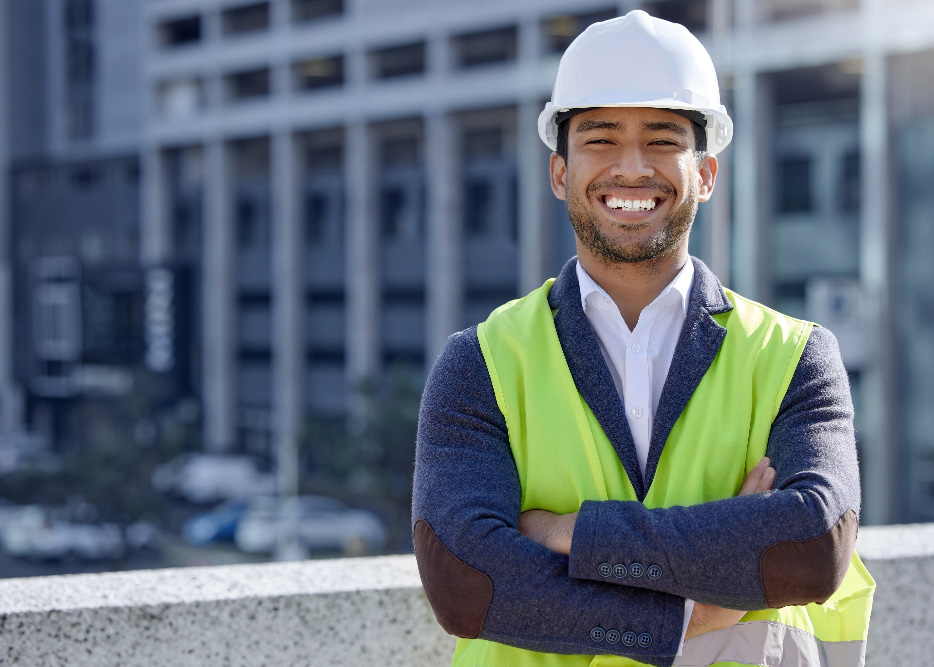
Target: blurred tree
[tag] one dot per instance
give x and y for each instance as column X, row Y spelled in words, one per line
column 373, row 454
column 109, row 450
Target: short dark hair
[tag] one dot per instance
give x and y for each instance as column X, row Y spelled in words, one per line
column 700, row 140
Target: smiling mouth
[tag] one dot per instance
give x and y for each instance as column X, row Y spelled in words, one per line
column 621, row 204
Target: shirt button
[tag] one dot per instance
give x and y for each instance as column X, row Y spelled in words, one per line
column 636, row 412
column 597, row 634
column 645, row 640
column 604, row 569
column 654, row 571
column 637, row 348
column 629, row 638
column 636, row 570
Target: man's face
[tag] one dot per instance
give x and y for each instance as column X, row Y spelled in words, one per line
column 632, row 182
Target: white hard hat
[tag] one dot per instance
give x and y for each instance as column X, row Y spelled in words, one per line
column 637, row 60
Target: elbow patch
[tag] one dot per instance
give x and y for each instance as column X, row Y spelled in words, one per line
column 460, row 595
column 805, row 571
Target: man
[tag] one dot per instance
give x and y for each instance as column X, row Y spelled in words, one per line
column 625, row 461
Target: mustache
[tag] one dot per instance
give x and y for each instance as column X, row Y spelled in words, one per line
column 664, row 188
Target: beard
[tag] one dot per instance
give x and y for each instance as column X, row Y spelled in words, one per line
column 613, row 250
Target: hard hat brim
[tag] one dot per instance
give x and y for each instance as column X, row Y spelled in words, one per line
column 719, row 124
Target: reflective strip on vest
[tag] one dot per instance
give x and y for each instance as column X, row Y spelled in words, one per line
column 769, row 643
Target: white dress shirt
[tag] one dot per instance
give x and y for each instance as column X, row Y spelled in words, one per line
column 639, row 359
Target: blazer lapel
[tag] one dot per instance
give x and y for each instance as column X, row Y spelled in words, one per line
column 589, row 370
column 696, row 349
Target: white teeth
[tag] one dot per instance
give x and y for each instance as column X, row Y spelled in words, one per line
column 630, row 204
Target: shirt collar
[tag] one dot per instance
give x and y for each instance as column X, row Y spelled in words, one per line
column 680, row 287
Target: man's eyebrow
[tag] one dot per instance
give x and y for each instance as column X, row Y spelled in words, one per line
column 587, row 125
column 665, row 125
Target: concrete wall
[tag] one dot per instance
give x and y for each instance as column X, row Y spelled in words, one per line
column 343, row 612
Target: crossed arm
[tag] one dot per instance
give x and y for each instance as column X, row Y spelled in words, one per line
column 556, row 532
column 486, row 579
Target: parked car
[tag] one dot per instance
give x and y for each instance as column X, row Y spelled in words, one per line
column 42, row 533
column 7, row 509
column 324, row 524
column 210, row 478
column 218, row 524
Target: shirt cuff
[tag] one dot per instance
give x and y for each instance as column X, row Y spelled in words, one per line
column 688, row 610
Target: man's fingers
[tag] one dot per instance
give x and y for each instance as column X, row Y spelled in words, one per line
column 759, row 478
column 768, row 477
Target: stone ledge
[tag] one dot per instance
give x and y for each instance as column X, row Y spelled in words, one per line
column 901, row 560
column 355, row 611
column 331, row 612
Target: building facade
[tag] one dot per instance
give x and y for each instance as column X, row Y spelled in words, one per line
column 326, row 189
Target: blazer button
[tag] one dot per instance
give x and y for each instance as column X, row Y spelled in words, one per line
column 629, row 638
column 604, row 569
column 619, row 570
column 597, row 634
column 645, row 640
column 612, row 636
column 654, row 571
column 636, row 570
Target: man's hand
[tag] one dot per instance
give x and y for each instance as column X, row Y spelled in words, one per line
column 707, row 617
column 551, row 530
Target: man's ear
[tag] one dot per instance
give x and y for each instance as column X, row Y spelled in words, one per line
column 559, row 171
column 706, row 177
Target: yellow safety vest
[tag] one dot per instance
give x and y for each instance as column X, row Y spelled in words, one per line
column 705, row 458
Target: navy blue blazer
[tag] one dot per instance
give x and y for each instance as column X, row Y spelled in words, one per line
column 484, row 579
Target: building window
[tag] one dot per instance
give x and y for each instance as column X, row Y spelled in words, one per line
column 794, row 185
column 80, row 69
column 131, row 171
column 778, row 10
column 486, row 48
column 251, row 232
column 326, row 156
column 323, row 215
column 79, row 117
column 398, row 61
column 400, row 150
column 483, row 142
column 692, row 14
column 850, row 183
column 186, row 221
column 312, row 10
column 248, row 18
column 392, row 207
column 559, row 31
column 317, row 73
column 79, row 14
column 246, row 85
column 180, row 32
column 180, row 98
column 316, row 215
column 478, row 213
column 80, row 62
column 85, row 178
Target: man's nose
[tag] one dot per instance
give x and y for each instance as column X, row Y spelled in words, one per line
column 632, row 164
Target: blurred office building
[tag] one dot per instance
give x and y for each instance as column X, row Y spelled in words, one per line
column 272, row 201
